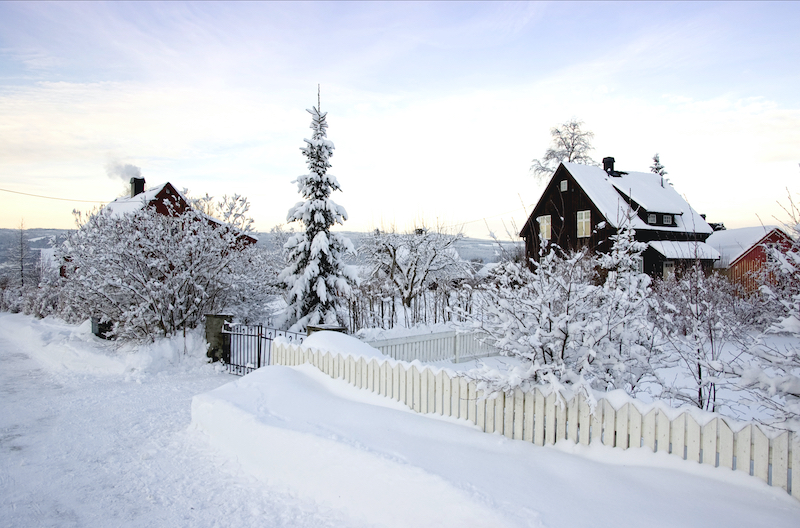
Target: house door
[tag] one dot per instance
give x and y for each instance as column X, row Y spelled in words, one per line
column 669, row 270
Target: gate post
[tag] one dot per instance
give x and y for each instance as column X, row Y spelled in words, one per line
column 219, row 343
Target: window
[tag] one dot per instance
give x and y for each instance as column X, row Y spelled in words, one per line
column 544, row 226
column 667, row 219
column 584, row 224
column 651, row 218
column 563, row 185
column 668, row 270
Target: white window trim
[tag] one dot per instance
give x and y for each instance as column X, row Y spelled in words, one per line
column 652, row 218
column 667, row 219
column 564, row 185
column 545, row 226
column 584, row 224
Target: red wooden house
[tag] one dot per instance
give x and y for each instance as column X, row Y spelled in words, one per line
column 165, row 199
column 584, row 205
column 743, row 252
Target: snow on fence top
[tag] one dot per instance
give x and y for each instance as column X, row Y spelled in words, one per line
column 544, row 417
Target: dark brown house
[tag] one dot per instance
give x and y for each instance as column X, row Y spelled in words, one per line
column 584, row 205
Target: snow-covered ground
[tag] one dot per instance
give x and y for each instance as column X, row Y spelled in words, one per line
column 96, row 436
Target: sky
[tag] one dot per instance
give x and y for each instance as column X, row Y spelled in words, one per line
column 436, row 109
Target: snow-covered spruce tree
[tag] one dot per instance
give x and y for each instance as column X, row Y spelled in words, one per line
column 622, row 334
column 657, row 167
column 317, row 276
column 154, row 275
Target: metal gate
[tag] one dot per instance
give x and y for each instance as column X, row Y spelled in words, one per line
column 250, row 346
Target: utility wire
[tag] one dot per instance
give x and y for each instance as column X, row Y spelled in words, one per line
column 52, row 198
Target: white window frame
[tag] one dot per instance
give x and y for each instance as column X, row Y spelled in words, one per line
column 564, row 185
column 545, row 226
column 652, row 218
column 584, row 223
column 667, row 219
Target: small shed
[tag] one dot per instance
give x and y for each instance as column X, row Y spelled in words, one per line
column 743, row 252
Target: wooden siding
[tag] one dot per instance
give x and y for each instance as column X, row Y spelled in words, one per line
column 744, row 270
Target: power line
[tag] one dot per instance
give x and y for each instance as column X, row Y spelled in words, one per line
column 53, row 198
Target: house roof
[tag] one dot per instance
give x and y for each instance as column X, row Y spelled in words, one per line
column 129, row 204
column 733, row 243
column 675, row 250
column 644, row 188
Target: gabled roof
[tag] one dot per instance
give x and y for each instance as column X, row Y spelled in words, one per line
column 734, row 243
column 129, row 204
column 645, row 189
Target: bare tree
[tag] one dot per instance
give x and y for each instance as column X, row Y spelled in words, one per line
column 19, row 257
column 408, row 263
column 570, row 143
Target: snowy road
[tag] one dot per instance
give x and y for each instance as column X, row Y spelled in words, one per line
column 98, row 450
column 96, row 437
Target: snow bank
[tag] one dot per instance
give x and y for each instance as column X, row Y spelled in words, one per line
column 372, row 459
column 277, row 422
column 338, row 343
column 63, row 347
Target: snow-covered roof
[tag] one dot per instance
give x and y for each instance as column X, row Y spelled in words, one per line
column 129, row 204
column 684, row 250
column 733, row 243
column 644, row 188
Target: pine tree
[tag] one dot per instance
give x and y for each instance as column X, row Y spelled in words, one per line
column 657, row 167
column 317, row 275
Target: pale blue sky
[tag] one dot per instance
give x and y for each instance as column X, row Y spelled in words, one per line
column 436, row 109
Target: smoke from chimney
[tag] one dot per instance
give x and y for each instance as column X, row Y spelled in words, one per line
column 115, row 169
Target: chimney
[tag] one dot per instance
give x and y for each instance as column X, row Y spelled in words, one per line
column 608, row 165
column 137, row 186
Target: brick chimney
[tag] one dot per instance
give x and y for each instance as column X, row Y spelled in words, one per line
column 137, row 186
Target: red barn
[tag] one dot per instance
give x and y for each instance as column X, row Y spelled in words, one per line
column 743, row 252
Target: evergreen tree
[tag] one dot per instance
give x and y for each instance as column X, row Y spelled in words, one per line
column 657, row 167
column 316, row 275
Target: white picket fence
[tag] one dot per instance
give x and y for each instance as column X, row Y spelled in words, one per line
column 435, row 347
column 540, row 418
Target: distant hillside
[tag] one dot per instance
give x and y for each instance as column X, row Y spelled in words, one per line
column 469, row 248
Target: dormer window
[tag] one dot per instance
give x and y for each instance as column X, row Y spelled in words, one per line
column 651, row 218
column 563, row 185
column 667, row 219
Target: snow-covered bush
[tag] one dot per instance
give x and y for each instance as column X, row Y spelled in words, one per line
column 575, row 319
column 771, row 370
column 420, row 269
column 317, row 276
column 153, row 275
column 698, row 318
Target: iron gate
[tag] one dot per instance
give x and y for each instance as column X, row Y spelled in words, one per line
column 250, row 346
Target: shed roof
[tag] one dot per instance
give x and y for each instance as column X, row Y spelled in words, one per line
column 644, row 188
column 733, row 243
column 684, row 250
